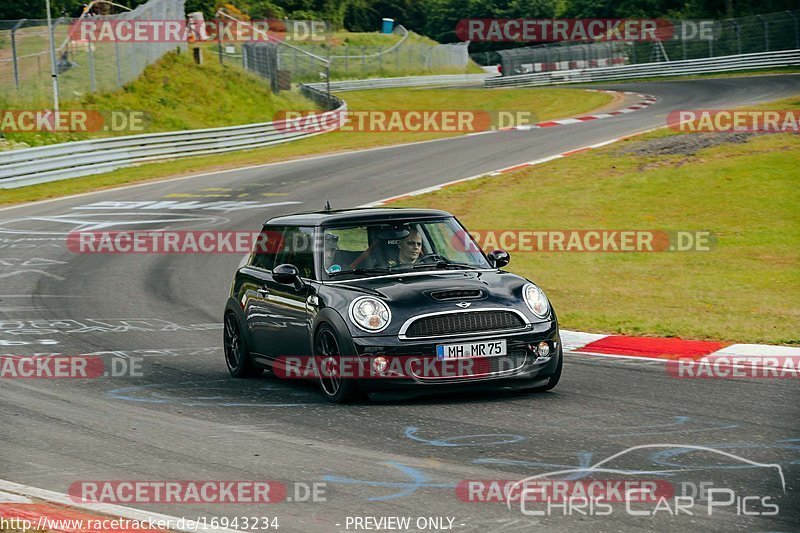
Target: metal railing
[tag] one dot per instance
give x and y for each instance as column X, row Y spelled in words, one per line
column 769, row 32
column 30, row 166
column 406, row 81
column 710, row 65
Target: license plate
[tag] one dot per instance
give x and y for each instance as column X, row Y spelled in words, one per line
column 471, row 349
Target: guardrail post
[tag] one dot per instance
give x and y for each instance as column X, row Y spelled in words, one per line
column 14, row 50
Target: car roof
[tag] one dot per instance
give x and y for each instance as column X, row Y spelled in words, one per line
column 357, row 215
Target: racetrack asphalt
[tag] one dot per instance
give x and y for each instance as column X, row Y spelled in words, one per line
column 185, row 418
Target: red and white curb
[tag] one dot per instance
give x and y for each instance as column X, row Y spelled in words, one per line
column 56, row 512
column 646, row 100
column 667, row 349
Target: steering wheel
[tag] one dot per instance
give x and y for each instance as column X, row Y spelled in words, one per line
column 433, row 255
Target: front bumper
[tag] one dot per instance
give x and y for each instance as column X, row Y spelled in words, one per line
column 522, row 367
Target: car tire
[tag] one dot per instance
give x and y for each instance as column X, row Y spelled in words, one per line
column 237, row 353
column 555, row 378
column 335, row 388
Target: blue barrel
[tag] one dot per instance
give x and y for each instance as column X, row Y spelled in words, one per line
column 388, row 25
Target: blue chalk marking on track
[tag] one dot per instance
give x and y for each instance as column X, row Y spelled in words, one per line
column 417, row 479
column 508, row 438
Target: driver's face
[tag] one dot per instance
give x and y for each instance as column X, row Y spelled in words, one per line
column 410, row 248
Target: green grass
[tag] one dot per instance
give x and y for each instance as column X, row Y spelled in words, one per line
column 176, row 94
column 746, row 289
column 546, row 103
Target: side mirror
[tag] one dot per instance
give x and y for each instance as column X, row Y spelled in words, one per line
column 498, row 258
column 287, row 275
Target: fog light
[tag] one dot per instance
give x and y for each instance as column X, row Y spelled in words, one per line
column 380, row 364
column 543, row 349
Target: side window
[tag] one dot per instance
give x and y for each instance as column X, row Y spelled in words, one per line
column 267, row 246
column 297, row 249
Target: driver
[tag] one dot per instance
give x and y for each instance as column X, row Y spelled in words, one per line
column 409, row 250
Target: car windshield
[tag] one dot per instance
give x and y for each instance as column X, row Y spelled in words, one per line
column 381, row 248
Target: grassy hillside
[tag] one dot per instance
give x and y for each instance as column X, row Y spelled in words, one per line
column 177, row 94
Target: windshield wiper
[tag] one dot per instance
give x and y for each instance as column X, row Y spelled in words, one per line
column 361, row 270
column 445, row 265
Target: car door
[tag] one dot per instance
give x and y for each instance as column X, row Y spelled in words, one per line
column 287, row 331
column 256, row 279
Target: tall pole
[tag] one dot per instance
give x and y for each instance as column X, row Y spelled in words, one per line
column 53, row 73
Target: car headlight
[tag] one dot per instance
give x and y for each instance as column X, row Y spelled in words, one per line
column 370, row 314
column 535, row 300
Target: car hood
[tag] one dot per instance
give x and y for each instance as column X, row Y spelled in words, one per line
column 411, row 295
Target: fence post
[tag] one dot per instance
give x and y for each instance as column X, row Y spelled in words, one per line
column 51, row 30
column 119, row 64
column 14, row 50
column 738, row 37
column 796, row 31
column 380, row 59
column 397, row 59
column 219, row 42
column 92, row 83
column 711, row 47
column 766, row 32
column 363, row 60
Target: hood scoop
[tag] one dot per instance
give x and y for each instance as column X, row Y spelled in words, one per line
column 449, row 295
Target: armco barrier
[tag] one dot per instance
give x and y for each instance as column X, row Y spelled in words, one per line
column 647, row 70
column 30, row 166
column 407, row 81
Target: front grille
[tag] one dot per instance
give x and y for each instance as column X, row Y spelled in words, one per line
column 467, row 322
column 457, row 294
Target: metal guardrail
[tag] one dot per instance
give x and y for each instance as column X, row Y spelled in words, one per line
column 30, row 166
column 647, row 70
column 407, row 81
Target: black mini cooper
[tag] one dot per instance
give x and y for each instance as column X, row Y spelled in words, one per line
column 390, row 302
